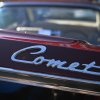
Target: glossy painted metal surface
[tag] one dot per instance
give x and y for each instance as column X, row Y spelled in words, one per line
column 93, row 6
column 48, row 40
column 53, row 1
column 44, row 76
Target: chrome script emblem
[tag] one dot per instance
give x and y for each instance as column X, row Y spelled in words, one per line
column 53, row 63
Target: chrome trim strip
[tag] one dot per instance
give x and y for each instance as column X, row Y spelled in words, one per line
column 44, row 84
column 47, row 75
column 41, row 84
